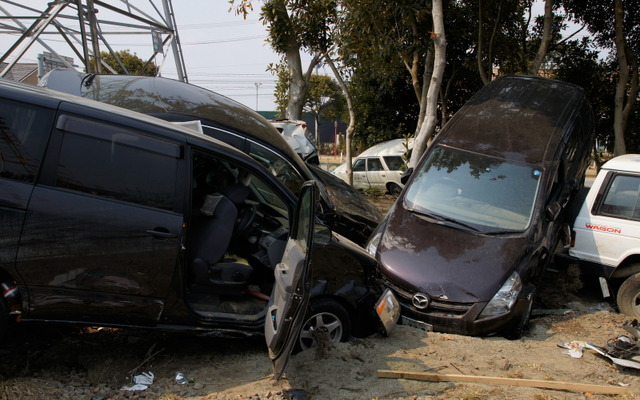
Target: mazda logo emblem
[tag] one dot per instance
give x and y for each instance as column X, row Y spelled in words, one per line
column 420, row 301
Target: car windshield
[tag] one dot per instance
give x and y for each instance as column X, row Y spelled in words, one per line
column 278, row 166
column 474, row 190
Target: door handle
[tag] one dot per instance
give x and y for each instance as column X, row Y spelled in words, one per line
column 161, row 233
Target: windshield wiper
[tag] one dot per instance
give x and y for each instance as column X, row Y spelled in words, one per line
column 497, row 233
column 439, row 217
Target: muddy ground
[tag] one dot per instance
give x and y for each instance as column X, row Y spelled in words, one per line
column 41, row 362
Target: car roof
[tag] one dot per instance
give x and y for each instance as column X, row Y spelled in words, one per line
column 158, row 95
column 53, row 98
column 394, row 147
column 520, row 118
column 626, row 162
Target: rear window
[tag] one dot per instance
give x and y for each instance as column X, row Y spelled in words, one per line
column 24, row 132
column 394, row 163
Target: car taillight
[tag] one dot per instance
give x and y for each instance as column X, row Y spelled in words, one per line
column 572, row 243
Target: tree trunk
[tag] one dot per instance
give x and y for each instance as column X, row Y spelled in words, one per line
column 627, row 85
column 352, row 115
column 422, row 101
column 297, row 84
column 440, row 46
column 534, row 65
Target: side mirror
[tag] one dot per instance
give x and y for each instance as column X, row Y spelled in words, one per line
column 321, row 235
column 553, row 211
column 406, row 175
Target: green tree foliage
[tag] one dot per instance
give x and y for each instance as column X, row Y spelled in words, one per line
column 125, row 63
column 325, row 99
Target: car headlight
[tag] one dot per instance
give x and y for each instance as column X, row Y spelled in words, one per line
column 504, row 299
column 374, row 240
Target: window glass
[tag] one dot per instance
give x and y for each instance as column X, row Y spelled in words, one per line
column 24, row 132
column 487, row 193
column 110, row 165
column 278, row 166
column 374, row 164
column 622, row 198
column 359, row 165
column 394, row 163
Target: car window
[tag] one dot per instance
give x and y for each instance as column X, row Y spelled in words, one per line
column 394, row 163
column 374, row 164
column 277, row 165
column 359, row 165
column 475, row 189
column 622, row 199
column 24, row 132
column 109, row 161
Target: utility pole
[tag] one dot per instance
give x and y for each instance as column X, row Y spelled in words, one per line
column 258, row 84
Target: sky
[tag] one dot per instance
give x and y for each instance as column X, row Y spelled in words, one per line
column 222, row 51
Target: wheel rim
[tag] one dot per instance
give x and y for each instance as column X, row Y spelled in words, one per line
column 323, row 324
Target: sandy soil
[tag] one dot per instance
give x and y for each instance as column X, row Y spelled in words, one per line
column 95, row 364
column 48, row 363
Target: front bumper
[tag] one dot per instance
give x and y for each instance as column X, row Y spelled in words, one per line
column 459, row 318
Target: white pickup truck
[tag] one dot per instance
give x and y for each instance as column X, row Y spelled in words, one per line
column 606, row 231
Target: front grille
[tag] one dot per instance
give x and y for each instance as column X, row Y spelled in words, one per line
column 437, row 307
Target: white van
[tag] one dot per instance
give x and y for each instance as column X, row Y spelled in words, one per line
column 606, row 232
column 379, row 167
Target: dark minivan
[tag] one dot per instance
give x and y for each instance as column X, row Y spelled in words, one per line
column 345, row 210
column 482, row 213
column 115, row 218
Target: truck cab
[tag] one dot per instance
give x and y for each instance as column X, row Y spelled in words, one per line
column 606, row 231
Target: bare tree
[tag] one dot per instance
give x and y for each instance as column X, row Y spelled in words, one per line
column 534, row 65
column 352, row 114
column 431, row 118
column 627, row 86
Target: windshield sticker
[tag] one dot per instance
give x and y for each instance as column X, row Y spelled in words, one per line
column 536, row 173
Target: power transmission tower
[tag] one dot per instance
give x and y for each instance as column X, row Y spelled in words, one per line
column 87, row 27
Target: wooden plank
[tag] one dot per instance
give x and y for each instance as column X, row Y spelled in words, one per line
column 488, row 380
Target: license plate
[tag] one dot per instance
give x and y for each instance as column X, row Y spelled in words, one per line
column 414, row 323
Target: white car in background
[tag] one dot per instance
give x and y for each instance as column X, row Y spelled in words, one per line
column 379, row 167
column 606, row 232
column 296, row 134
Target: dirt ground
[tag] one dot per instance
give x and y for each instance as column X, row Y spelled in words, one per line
column 40, row 362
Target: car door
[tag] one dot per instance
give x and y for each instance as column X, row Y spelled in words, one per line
column 359, row 169
column 290, row 296
column 101, row 236
column 376, row 173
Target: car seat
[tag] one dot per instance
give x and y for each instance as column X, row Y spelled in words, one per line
column 210, row 271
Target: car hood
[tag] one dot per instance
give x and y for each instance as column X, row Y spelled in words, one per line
column 347, row 202
column 445, row 262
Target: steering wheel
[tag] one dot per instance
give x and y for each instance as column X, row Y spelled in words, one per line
column 245, row 218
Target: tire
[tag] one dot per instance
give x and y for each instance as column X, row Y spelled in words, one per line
column 518, row 328
column 325, row 316
column 394, row 189
column 629, row 296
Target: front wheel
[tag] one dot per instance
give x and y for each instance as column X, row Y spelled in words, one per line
column 327, row 322
column 629, row 296
column 394, row 189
